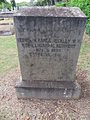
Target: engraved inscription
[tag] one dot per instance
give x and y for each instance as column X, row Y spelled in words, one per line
column 49, row 37
column 46, row 47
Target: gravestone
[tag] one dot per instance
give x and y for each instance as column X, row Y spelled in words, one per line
column 48, row 41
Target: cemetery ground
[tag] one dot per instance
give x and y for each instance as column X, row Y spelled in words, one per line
column 6, row 26
column 12, row 108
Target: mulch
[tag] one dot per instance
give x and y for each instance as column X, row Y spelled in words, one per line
column 12, row 108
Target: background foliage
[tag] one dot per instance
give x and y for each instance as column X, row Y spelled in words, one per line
column 2, row 1
column 22, row 4
column 13, row 3
column 84, row 5
column 6, row 4
column 43, row 2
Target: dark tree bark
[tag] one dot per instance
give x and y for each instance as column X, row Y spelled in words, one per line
column 53, row 2
column 13, row 4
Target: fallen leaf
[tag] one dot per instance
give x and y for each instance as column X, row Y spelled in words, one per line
column 27, row 118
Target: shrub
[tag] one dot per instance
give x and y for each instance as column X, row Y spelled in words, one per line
column 43, row 2
column 88, row 28
column 84, row 5
column 7, row 5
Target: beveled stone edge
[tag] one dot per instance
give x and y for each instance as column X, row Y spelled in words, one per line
column 49, row 93
column 46, row 84
column 51, row 11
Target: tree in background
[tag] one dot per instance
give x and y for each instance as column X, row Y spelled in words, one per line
column 2, row 1
column 22, row 4
column 84, row 5
column 45, row 2
column 13, row 3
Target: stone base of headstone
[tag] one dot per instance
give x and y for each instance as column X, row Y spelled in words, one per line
column 48, row 90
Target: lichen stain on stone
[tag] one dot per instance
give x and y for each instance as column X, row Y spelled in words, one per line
column 32, row 65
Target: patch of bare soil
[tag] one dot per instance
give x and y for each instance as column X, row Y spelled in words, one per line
column 12, row 108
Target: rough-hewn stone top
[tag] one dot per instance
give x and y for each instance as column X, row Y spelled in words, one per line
column 51, row 12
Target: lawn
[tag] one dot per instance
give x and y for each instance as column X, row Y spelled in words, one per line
column 84, row 57
column 8, row 54
column 9, row 57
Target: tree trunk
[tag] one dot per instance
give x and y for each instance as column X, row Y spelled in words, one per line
column 53, row 2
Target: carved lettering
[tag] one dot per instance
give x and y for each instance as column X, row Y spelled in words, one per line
column 47, row 46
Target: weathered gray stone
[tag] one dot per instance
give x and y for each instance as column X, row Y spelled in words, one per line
column 49, row 40
column 6, row 15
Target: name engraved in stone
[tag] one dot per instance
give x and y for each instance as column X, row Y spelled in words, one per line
column 46, row 47
column 47, row 40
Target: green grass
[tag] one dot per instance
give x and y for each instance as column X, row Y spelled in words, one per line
column 8, row 53
column 84, row 57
